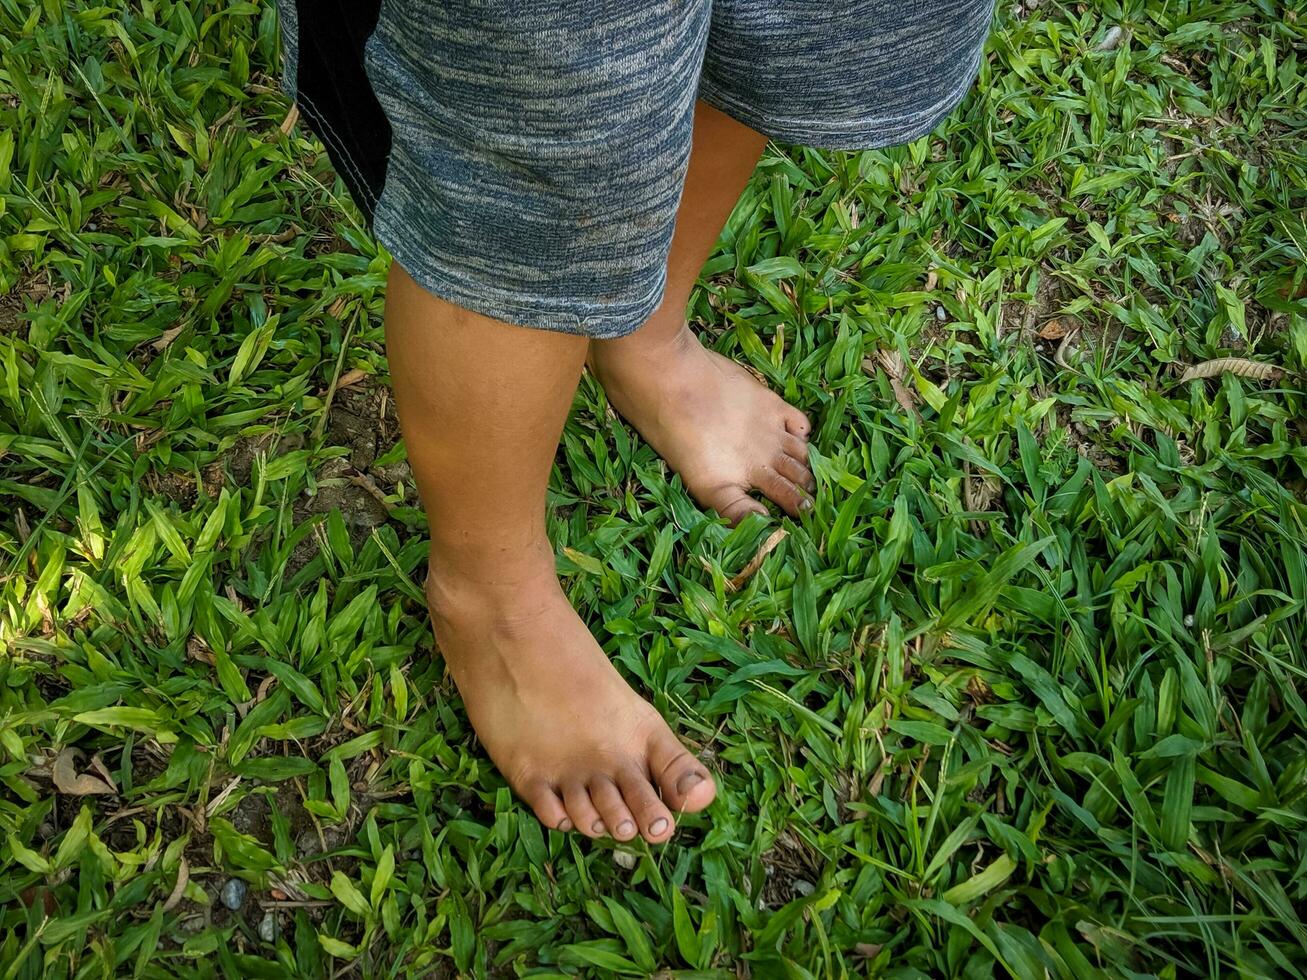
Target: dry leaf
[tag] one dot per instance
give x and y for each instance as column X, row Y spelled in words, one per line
column 932, row 278
column 1233, row 365
column 755, row 563
column 1054, row 329
column 351, row 377
column 292, row 117
column 98, row 765
column 197, row 649
column 878, row 778
column 67, row 781
column 167, row 337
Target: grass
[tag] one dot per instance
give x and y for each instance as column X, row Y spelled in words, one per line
column 1023, row 695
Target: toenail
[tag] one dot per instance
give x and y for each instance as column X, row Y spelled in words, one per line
column 625, row 828
column 598, row 827
column 805, row 504
column 689, row 780
column 564, row 825
column 658, row 826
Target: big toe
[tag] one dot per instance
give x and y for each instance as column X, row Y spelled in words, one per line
column 733, row 503
column 796, row 423
column 684, row 782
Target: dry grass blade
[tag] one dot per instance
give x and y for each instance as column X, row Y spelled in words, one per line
column 1060, row 356
column 183, row 878
column 291, row 119
column 1239, row 366
column 891, row 362
column 748, row 571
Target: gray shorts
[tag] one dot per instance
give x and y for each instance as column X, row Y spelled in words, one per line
column 524, row 158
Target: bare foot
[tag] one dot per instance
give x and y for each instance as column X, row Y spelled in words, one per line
column 569, row 735
column 722, row 431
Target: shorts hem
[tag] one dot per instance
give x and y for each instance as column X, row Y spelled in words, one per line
column 608, row 322
column 866, row 133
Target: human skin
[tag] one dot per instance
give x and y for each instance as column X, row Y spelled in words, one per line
column 482, row 405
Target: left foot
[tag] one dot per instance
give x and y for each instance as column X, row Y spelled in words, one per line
column 711, row 420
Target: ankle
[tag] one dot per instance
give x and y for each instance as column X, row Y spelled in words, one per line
column 487, row 568
column 654, row 344
column 507, row 601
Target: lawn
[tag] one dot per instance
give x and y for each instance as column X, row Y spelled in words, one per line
column 1022, row 695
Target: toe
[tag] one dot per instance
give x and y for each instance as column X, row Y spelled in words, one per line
column 612, row 808
column 782, row 490
column 654, row 819
column 796, row 422
column 547, row 804
column 794, row 471
column 581, row 810
column 735, row 505
column 685, row 784
column 794, row 446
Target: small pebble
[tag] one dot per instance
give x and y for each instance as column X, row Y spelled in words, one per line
column 268, row 928
column 1111, row 39
column 625, row 859
column 1189, row 621
column 941, row 314
column 804, row 888
column 233, row 893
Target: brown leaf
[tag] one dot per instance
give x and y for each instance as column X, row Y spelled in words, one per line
column 1054, row 329
column 755, row 563
column 1239, row 366
column 292, row 117
column 167, row 337
column 351, row 377
column 197, row 649
column 878, row 777
column 67, row 781
column 98, row 765
column 39, row 893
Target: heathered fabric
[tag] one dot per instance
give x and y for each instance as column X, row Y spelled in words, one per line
column 539, row 148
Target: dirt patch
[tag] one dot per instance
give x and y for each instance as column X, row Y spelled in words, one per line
column 1028, row 317
column 361, row 421
column 362, row 418
column 13, row 304
column 793, row 870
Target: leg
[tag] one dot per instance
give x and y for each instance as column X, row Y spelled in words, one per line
column 482, row 406
column 722, row 431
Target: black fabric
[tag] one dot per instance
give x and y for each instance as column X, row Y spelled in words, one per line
column 335, row 96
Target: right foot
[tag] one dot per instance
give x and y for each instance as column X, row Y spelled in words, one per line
column 569, row 735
